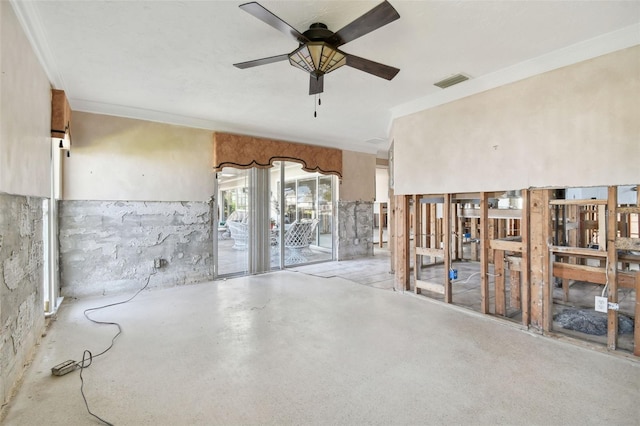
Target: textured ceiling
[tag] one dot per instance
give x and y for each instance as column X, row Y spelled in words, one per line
column 172, row 61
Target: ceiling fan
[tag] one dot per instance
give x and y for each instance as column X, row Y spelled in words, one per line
column 318, row 52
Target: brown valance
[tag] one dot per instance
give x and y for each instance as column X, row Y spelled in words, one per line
column 60, row 114
column 243, row 152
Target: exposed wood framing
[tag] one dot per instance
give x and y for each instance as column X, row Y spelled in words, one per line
column 418, row 239
column 636, row 336
column 484, row 252
column 446, row 233
column 430, row 286
column 501, row 301
column 578, row 202
column 612, row 266
column 540, row 234
column 474, row 237
column 391, row 230
column 506, row 245
column 402, row 228
column 592, row 274
column 525, row 279
column 628, row 243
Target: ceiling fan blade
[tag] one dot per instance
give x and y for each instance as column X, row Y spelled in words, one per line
column 375, row 68
column 316, row 84
column 377, row 17
column 263, row 61
column 269, row 18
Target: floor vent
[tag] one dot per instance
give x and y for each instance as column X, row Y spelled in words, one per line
column 450, row 81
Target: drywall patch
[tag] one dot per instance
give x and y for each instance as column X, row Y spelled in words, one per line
column 355, row 229
column 109, row 247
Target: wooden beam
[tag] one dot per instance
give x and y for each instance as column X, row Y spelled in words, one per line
column 636, row 335
column 541, row 285
column 402, row 267
column 506, row 245
column 514, row 288
column 484, row 252
column 602, row 228
column 427, row 251
column 417, row 240
column 525, row 289
column 612, row 265
column 578, row 202
column 629, row 210
column 593, row 274
column 514, row 262
column 578, row 252
column 391, row 230
column 628, row 243
column 492, row 213
column 474, row 236
column 446, row 237
column 381, row 215
column 430, row 286
column 498, row 267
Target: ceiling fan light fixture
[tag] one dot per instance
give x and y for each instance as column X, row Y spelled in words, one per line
column 317, row 57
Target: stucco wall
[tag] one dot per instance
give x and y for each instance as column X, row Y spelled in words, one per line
column 358, row 176
column 25, row 146
column 114, row 158
column 575, row 126
column 25, row 113
column 109, row 247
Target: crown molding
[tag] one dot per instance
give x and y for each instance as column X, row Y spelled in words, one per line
column 34, row 30
column 579, row 52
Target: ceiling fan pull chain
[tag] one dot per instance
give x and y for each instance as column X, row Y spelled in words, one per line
column 315, row 109
column 319, row 100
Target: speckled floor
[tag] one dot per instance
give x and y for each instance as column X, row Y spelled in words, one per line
column 297, row 348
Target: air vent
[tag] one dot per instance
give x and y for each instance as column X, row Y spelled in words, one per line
column 450, row 81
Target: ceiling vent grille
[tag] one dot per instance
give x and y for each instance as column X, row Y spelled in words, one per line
column 450, row 81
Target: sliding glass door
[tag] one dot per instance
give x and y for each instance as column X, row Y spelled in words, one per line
column 273, row 218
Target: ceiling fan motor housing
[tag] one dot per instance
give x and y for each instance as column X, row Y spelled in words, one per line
column 318, row 32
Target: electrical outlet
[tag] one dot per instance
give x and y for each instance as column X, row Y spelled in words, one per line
column 601, row 304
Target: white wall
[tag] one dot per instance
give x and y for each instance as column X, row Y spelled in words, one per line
column 358, row 176
column 25, row 113
column 382, row 184
column 575, row 126
column 114, row 158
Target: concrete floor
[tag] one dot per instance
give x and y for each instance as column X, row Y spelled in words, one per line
column 296, row 348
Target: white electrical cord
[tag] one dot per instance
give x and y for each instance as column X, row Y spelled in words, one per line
column 473, row 275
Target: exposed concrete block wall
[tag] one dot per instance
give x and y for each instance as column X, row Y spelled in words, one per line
column 21, row 285
column 355, row 229
column 110, row 246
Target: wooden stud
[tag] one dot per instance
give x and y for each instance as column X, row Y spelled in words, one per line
column 484, row 252
column 514, row 287
column 391, row 230
column 382, row 215
column 433, row 225
column 474, row 237
column 446, row 232
column 501, row 302
column 541, row 283
column 612, row 267
column 602, row 228
column 636, row 335
column 417, row 241
column 525, row 273
column 460, row 232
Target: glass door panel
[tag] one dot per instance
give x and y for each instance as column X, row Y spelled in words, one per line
column 233, row 222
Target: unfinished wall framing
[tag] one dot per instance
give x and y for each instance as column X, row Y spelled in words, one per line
column 532, row 256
